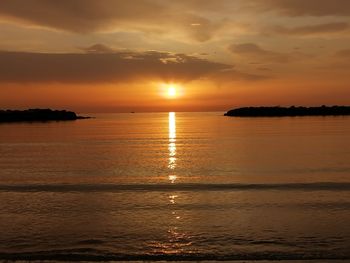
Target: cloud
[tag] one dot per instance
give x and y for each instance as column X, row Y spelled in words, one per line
column 254, row 51
column 188, row 19
column 88, row 16
column 80, row 15
column 98, row 48
column 320, row 29
column 230, row 75
column 202, row 29
column 96, row 66
column 344, row 53
column 304, row 7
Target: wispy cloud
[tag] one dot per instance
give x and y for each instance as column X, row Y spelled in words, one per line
column 313, row 30
column 253, row 51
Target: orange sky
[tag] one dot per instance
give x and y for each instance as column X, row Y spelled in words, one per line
column 117, row 56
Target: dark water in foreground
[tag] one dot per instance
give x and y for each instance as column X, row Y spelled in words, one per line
column 185, row 186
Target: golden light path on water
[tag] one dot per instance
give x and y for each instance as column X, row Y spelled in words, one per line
column 177, row 239
column 172, row 146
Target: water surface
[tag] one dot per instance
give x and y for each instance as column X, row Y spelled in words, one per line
column 176, row 186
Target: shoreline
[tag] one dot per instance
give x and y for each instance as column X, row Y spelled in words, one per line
column 38, row 115
column 292, row 111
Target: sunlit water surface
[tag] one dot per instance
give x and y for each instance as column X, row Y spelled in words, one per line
column 176, row 186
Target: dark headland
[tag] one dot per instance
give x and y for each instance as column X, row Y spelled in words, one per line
column 291, row 111
column 40, row 115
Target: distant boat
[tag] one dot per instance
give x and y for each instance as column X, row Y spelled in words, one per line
column 132, row 112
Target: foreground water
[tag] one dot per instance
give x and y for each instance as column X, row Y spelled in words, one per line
column 184, row 186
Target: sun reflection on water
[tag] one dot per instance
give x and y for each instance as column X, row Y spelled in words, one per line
column 172, row 198
column 172, row 145
column 176, row 240
column 172, row 178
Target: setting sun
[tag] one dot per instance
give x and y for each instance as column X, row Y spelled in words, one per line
column 172, row 91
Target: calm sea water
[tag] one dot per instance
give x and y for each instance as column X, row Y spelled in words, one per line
column 176, row 186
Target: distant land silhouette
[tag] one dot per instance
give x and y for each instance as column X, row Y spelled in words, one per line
column 32, row 115
column 291, row 111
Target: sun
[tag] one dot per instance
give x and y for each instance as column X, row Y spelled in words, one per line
column 171, row 89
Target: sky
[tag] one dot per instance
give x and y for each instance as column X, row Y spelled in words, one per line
column 121, row 56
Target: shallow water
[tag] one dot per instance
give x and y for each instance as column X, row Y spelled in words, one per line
column 176, row 186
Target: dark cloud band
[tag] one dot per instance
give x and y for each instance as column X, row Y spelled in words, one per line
column 103, row 67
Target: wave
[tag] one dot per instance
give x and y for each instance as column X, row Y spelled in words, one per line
column 327, row 186
column 87, row 254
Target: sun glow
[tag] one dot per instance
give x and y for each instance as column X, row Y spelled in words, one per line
column 171, row 90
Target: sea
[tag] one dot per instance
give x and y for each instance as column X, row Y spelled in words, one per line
column 176, row 186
